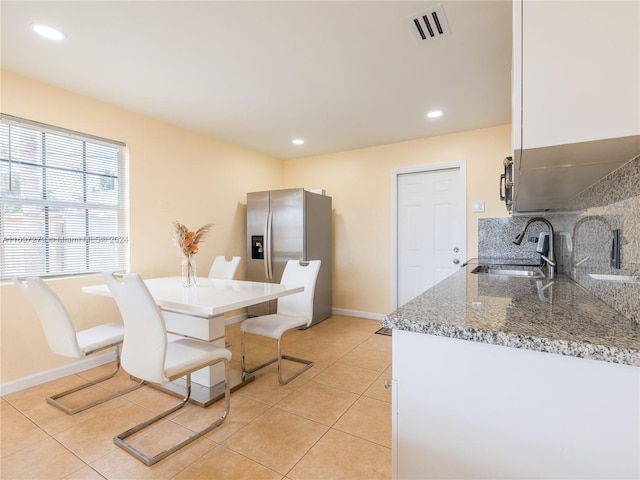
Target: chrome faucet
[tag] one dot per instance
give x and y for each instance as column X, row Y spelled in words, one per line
column 551, row 260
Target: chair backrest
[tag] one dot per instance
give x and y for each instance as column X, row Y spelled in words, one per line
column 58, row 328
column 223, row 268
column 295, row 274
column 145, row 336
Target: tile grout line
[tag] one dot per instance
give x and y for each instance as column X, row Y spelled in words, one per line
column 269, row 407
column 330, row 427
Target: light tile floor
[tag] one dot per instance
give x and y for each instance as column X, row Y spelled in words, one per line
column 332, row 422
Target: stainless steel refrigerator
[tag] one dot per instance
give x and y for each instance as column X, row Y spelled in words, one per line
column 290, row 224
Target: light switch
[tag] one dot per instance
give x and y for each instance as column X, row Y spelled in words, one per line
column 477, row 206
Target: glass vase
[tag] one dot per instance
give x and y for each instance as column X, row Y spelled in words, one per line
column 189, row 271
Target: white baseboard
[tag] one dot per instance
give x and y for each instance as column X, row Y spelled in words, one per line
column 359, row 314
column 334, row 311
column 97, row 360
column 84, row 364
column 55, row 373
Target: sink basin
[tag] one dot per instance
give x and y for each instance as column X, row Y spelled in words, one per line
column 509, row 271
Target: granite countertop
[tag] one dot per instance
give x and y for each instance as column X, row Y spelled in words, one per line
column 556, row 316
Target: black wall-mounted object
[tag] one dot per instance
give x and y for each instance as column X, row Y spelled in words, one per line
column 506, row 183
column 616, row 245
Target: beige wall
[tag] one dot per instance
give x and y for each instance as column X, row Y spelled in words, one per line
column 175, row 174
column 359, row 182
column 180, row 175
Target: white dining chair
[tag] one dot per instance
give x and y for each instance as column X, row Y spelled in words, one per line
column 293, row 312
column 147, row 355
column 223, row 268
column 64, row 340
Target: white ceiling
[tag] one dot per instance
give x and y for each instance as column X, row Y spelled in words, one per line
column 341, row 75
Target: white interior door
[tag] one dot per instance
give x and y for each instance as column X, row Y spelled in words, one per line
column 431, row 228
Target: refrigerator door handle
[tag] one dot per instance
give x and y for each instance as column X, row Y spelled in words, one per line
column 267, row 242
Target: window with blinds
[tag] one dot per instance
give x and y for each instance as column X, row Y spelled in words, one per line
column 63, row 201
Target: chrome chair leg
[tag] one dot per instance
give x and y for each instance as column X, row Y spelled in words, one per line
column 54, row 399
column 283, row 381
column 243, row 364
column 307, row 365
column 151, row 460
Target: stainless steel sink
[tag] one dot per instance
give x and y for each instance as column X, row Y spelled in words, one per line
column 525, row 271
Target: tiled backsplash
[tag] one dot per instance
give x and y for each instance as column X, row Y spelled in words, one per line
column 583, row 239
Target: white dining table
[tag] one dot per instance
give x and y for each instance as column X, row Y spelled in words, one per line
column 198, row 312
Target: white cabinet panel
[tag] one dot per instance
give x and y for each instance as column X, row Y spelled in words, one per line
column 576, row 89
column 580, row 65
column 471, row 410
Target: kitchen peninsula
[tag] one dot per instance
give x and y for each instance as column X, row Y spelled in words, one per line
column 500, row 376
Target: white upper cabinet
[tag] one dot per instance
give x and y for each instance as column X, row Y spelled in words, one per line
column 576, row 96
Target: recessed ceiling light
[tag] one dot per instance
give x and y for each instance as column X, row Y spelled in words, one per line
column 298, row 141
column 434, row 114
column 47, row 31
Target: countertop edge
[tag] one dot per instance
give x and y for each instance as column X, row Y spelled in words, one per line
column 584, row 350
column 416, row 320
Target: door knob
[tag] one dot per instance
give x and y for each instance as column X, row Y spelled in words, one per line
column 456, row 261
column 388, row 384
column 456, row 249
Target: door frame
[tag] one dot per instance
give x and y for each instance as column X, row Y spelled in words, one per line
column 395, row 173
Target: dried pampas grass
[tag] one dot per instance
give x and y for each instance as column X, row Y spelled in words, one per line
column 187, row 240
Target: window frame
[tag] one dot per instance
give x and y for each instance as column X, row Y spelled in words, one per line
column 86, row 208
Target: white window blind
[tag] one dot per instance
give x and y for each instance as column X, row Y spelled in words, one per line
column 63, row 201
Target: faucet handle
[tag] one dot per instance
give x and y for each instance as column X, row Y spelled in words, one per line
column 549, row 262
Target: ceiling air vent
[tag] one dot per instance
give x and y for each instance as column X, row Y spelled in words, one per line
column 429, row 24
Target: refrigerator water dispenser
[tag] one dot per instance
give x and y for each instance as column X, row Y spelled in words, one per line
column 257, row 247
